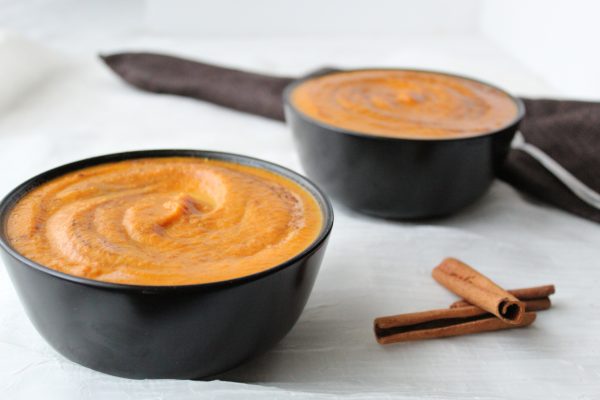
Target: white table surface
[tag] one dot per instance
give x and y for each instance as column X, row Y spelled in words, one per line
column 68, row 106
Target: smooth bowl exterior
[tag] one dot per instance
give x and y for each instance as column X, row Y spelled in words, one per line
column 179, row 332
column 398, row 178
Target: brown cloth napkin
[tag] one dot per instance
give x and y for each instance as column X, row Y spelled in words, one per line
column 568, row 131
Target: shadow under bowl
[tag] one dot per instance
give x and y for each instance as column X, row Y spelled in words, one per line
column 180, row 332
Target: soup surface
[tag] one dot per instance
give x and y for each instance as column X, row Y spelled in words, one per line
column 405, row 104
column 165, row 221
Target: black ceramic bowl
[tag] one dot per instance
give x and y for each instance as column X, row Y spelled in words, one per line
column 398, row 177
column 164, row 331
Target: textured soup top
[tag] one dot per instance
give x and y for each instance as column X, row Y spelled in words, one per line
column 165, row 221
column 404, row 104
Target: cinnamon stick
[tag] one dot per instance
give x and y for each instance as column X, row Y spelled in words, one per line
column 441, row 323
column 479, row 290
column 532, row 293
column 537, row 304
column 530, row 305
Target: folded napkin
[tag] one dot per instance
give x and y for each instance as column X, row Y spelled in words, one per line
column 568, row 131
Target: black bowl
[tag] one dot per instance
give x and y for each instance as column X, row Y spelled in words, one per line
column 397, row 177
column 181, row 332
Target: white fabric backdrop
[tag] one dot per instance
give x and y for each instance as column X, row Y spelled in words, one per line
column 372, row 267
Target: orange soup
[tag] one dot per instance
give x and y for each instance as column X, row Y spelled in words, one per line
column 405, row 104
column 165, row 221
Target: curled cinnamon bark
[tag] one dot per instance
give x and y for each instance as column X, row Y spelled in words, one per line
column 530, row 305
column 532, row 293
column 538, row 304
column 478, row 290
column 441, row 323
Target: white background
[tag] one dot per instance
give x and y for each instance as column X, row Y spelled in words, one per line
column 556, row 39
column 58, row 104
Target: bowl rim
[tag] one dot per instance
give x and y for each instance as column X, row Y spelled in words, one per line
column 10, row 199
column 289, row 89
